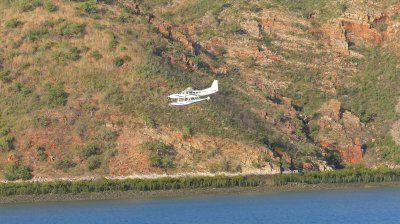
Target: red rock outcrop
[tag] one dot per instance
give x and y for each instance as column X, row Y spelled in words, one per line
column 356, row 27
column 340, row 131
column 361, row 31
column 336, row 37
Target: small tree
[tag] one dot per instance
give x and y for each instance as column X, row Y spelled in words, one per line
column 94, row 163
column 187, row 132
column 96, row 55
column 162, row 155
column 64, row 164
column 24, row 173
column 4, row 131
column 41, row 153
column 14, row 172
column 7, row 143
column 89, row 150
column 56, row 94
column 10, row 172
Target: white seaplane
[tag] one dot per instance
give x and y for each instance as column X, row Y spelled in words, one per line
column 189, row 95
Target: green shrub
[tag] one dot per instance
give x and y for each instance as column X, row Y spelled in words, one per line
column 112, row 45
column 122, row 19
column 69, row 54
column 162, row 155
column 96, row 55
column 119, row 61
column 74, row 54
column 27, row 5
column 5, row 76
column 50, row 6
column 187, row 132
column 15, row 172
column 343, row 7
column 94, row 163
column 4, row 131
column 13, row 23
column 114, row 96
column 149, row 121
column 63, row 164
column 89, row 8
column 71, row 30
column 105, row 134
column 266, row 40
column 20, row 88
column 36, row 33
column 41, row 153
column 234, row 27
column 41, row 121
column 25, row 173
column 7, row 143
column 89, row 150
column 56, row 96
column 161, row 161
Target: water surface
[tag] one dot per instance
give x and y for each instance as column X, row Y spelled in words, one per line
column 345, row 206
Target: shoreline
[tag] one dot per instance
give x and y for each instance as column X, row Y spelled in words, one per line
column 148, row 176
column 187, row 193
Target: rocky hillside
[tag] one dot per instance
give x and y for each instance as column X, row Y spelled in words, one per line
column 309, row 84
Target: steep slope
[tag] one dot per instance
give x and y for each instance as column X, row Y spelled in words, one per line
column 308, row 53
column 83, row 85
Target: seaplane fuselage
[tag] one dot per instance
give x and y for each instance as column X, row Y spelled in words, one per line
column 190, row 96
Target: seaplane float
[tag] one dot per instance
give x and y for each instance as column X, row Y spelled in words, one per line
column 190, row 96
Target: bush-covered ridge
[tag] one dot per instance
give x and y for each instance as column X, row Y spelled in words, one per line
column 95, row 72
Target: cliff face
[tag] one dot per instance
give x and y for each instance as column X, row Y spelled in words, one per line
column 288, row 57
column 311, row 85
column 340, row 131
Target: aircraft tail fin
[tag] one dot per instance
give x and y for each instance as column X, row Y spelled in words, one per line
column 214, row 85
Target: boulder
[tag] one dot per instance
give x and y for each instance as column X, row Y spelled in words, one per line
column 331, row 109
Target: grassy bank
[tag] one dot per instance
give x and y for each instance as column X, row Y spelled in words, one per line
column 102, row 185
column 199, row 192
column 106, row 185
column 349, row 175
column 100, row 189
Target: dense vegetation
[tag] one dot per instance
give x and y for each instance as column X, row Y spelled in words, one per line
column 356, row 174
column 162, row 155
column 103, row 185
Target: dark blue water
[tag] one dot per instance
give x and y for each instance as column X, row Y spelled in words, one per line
column 351, row 206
